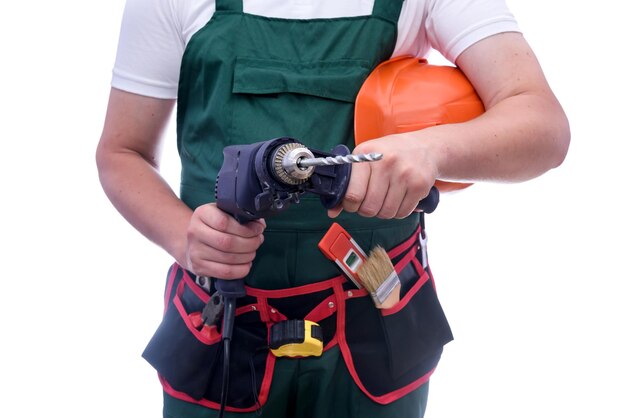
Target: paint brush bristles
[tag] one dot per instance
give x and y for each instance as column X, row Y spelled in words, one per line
column 380, row 278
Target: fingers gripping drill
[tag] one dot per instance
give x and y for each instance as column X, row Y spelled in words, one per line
column 264, row 178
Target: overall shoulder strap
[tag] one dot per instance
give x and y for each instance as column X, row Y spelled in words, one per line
column 229, row 6
column 388, row 9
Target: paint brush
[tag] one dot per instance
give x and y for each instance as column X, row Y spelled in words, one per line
column 380, row 278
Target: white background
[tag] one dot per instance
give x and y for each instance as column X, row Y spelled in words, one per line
column 530, row 275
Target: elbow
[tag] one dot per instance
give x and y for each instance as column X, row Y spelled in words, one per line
column 561, row 135
column 107, row 161
column 101, row 159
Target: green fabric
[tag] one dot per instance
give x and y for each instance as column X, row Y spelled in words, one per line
column 289, row 255
column 229, row 5
column 313, row 388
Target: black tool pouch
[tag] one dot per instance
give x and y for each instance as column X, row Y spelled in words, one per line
column 400, row 347
column 188, row 355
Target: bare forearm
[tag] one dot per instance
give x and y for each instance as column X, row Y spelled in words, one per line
column 128, row 158
column 145, row 200
column 524, row 131
column 516, row 140
column 207, row 241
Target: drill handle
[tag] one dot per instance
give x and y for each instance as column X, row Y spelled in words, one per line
column 230, row 288
column 430, row 202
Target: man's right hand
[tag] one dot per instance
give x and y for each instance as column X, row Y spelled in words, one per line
column 219, row 246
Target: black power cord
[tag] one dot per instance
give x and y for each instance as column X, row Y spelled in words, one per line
column 227, row 334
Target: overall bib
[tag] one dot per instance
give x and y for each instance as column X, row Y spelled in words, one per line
column 247, row 78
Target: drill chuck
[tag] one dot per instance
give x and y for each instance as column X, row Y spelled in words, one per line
column 285, row 163
column 340, row 159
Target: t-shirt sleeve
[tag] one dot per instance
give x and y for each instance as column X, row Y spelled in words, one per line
column 150, row 49
column 454, row 25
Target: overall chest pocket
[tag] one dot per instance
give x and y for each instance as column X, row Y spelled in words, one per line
column 311, row 101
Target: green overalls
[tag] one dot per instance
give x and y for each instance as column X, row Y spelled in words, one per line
column 244, row 79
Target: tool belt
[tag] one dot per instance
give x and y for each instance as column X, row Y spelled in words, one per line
column 388, row 352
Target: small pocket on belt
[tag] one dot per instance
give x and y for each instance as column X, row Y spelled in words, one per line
column 417, row 327
column 391, row 352
column 183, row 355
column 188, row 355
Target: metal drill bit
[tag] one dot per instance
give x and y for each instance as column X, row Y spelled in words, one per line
column 339, row 159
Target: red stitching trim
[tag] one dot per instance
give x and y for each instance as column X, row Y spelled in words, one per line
column 394, row 252
column 405, row 260
column 296, row 291
column 322, row 310
column 193, row 286
column 398, row 306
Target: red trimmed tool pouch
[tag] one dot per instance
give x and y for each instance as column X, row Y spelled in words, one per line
column 188, row 354
column 391, row 352
column 388, row 352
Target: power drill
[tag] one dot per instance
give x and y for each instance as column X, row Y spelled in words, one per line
column 264, row 178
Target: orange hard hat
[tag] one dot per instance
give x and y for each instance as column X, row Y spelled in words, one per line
column 407, row 94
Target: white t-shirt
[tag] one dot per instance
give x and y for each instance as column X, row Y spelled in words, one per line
column 154, row 33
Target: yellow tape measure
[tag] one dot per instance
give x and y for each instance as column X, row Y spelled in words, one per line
column 296, row 338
